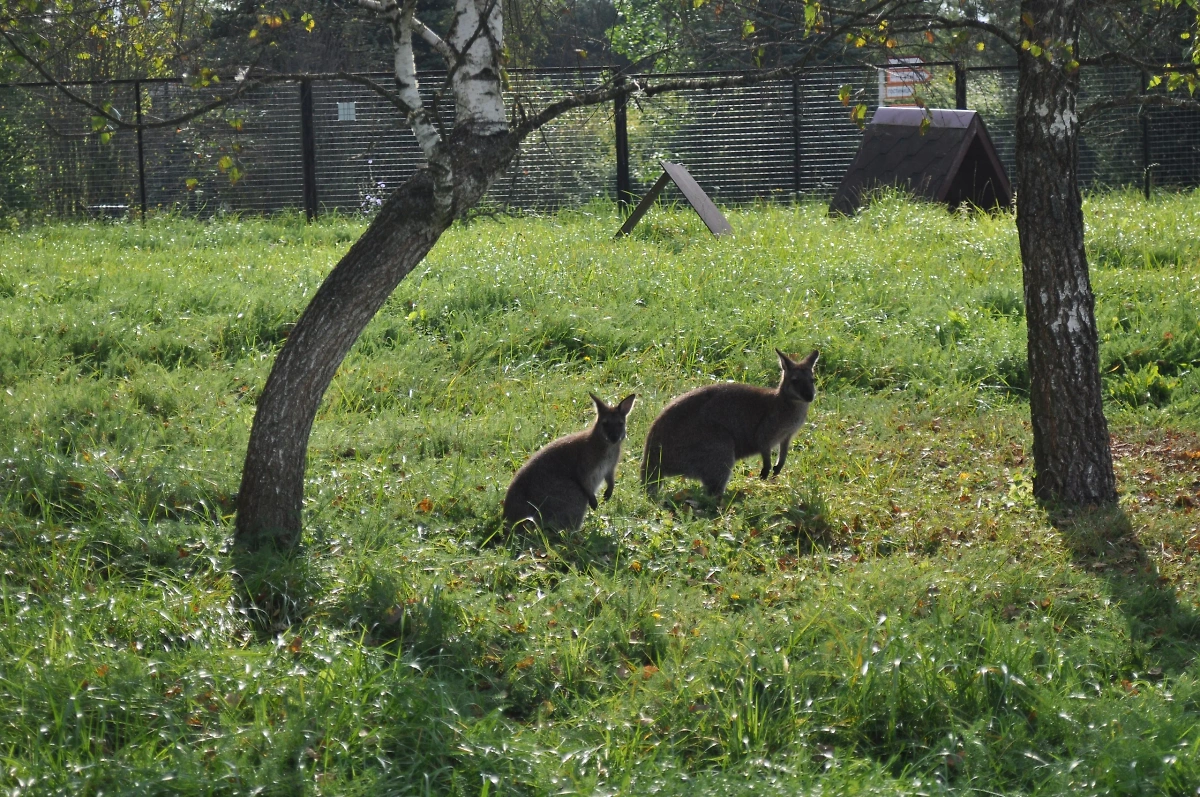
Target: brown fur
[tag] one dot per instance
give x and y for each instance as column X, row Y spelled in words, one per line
column 701, row 434
column 558, row 483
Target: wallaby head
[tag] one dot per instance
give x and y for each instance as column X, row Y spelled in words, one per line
column 796, row 381
column 611, row 420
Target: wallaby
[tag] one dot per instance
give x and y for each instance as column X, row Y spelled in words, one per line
column 702, row 433
column 558, row 483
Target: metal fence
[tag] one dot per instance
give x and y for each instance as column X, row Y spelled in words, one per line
column 324, row 145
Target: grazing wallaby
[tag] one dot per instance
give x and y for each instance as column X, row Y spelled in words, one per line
column 558, row 483
column 702, row 433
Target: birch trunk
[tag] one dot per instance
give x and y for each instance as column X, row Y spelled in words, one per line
column 1072, row 459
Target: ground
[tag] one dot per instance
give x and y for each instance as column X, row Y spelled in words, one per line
column 892, row 614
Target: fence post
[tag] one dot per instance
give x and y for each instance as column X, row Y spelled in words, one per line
column 960, row 86
column 141, row 152
column 1147, row 165
column 620, row 121
column 796, row 154
column 308, row 150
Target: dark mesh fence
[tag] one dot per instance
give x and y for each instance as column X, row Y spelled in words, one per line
column 774, row 141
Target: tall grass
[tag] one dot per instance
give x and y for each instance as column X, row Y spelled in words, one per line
column 892, row 614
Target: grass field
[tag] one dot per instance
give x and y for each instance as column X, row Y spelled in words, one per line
column 894, row 614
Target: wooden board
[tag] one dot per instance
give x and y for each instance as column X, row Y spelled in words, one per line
column 712, row 217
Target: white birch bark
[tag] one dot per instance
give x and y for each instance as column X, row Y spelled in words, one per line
column 477, row 36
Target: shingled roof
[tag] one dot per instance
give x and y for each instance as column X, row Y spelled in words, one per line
column 952, row 161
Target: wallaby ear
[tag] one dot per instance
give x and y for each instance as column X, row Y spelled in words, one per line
column 627, row 404
column 600, row 405
column 785, row 362
column 811, row 359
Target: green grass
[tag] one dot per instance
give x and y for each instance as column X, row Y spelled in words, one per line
column 894, row 614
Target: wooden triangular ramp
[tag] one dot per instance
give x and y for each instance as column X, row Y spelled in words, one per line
column 709, row 213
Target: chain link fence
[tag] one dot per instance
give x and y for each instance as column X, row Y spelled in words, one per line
column 334, row 145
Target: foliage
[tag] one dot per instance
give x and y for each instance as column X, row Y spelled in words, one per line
column 893, row 614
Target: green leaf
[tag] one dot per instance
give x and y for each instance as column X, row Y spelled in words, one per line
column 747, row 29
column 858, row 114
column 844, row 93
column 812, row 15
column 191, row 183
column 99, row 123
column 225, row 163
column 1154, row 81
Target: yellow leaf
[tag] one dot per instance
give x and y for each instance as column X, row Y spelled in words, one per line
column 525, row 663
column 425, row 505
column 980, row 46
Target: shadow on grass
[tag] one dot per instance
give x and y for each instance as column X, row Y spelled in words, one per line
column 802, row 520
column 1103, row 541
column 274, row 588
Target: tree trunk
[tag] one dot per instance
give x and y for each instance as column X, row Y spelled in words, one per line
column 408, row 225
column 1071, row 456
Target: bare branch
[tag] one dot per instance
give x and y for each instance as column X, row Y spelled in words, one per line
column 1137, row 100
column 632, row 87
column 382, row 91
column 380, row 6
column 436, row 42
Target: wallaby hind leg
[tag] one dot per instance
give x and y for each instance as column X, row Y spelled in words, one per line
column 714, row 465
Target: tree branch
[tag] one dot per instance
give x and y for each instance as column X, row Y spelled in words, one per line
column 376, row 5
column 117, row 121
column 626, row 89
column 929, row 20
column 1136, row 100
column 428, row 136
column 436, row 42
column 382, row 91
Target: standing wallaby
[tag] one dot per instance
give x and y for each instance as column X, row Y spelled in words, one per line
column 702, row 433
column 558, row 483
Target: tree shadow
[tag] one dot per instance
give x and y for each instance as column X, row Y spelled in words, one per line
column 275, row 589
column 1102, row 541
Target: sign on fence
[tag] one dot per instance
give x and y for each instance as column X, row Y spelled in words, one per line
column 899, row 80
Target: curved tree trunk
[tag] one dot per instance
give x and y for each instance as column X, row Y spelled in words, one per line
column 1072, row 460
column 408, row 225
